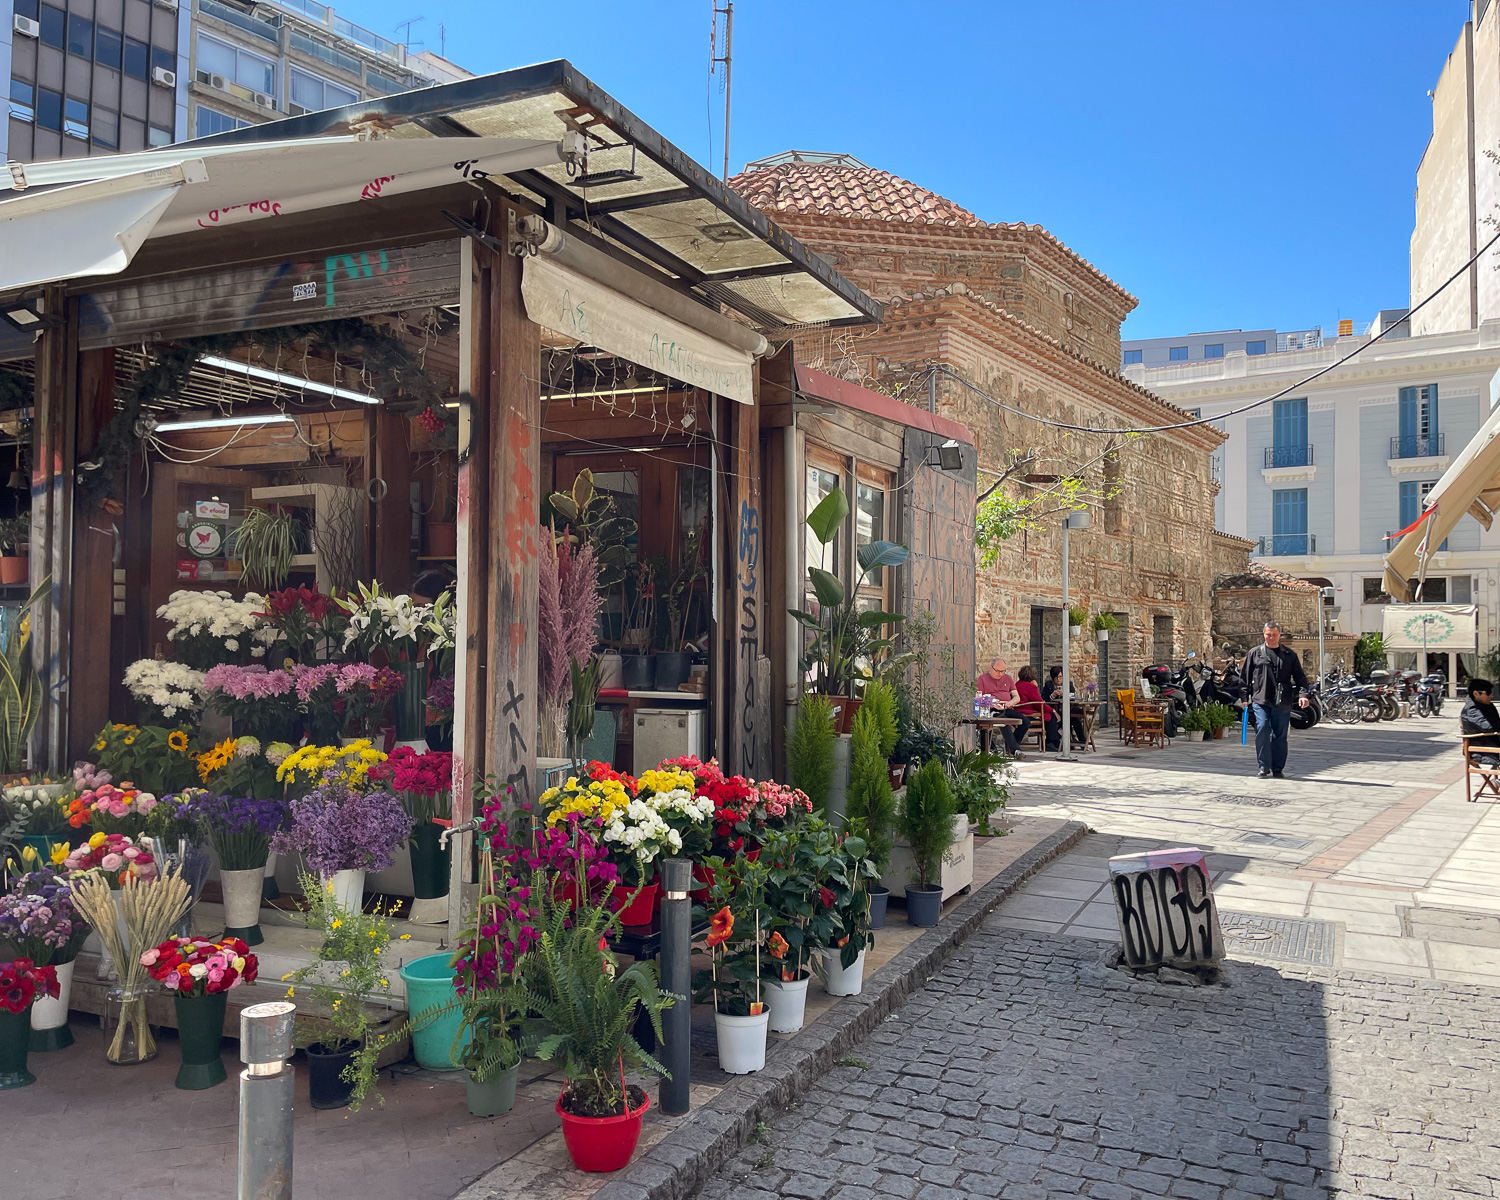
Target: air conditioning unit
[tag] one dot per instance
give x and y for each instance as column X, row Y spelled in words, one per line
column 264, row 100
column 217, row 82
column 26, row 27
column 163, row 77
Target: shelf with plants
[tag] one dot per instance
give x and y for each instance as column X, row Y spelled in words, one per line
column 330, row 516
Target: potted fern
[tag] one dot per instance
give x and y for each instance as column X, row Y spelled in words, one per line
column 1104, row 624
column 589, row 1007
column 926, row 822
column 1195, row 724
column 1077, row 615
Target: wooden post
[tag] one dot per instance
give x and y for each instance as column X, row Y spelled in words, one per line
column 390, row 519
column 54, row 415
column 515, row 466
column 94, row 676
column 749, row 741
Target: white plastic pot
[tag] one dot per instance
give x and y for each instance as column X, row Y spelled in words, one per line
column 47, row 1013
column 348, row 889
column 742, row 1042
column 787, row 1004
column 839, row 981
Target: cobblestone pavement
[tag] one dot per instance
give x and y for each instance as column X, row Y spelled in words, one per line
column 1028, row 1070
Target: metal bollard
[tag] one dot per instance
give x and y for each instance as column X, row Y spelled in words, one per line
column 676, row 977
column 265, row 1166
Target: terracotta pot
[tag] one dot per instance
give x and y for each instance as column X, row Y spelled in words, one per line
column 442, row 539
column 602, row 1143
column 846, row 719
column 14, row 569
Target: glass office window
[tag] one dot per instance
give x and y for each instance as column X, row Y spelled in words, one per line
column 238, row 66
column 207, row 122
column 137, row 58
column 1177, row 354
column 49, row 109
column 1132, row 356
column 76, row 119
column 27, row 8
column 108, row 47
column 312, row 92
column 157, row 136
column 80, row 36
column 22, row 101
column 1214, row 351
column 1255, row 347
column 54, row 26
column 165, row 59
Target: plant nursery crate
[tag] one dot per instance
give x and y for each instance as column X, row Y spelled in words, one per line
column 91, row 995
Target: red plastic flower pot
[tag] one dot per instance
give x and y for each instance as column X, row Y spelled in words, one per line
column 602, row 1143
column 636, row 908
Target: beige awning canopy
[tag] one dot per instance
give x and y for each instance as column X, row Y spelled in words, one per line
column 1470, row 485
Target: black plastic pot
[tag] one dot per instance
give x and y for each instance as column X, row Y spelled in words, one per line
column 879, row 897
column 672, row 668
column 325, row 1087
column 924, row 905
column 638, row 672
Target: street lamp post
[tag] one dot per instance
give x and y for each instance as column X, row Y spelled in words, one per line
column 1079, row 521
column 1324, row 593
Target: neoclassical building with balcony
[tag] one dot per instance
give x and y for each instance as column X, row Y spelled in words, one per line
column 1322, row 479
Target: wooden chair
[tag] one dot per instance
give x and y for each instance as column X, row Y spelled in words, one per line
column 1141, row 721
column 1488, row 776
column 1036, row 736
column 1124, row 699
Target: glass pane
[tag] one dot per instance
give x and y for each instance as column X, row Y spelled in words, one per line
column 214, row 57
column 157, row 136
column 819, row 483
column 256, row 73
column 869, row 523
column 692, row 507
column 624, row 487
column 164, row 59
column 22, row 101
column 76, row 118
column 54, row 26
column 49, row 109
column 80, row 36
column 335, row 96
column 106, row 128
column 307, row 90
column 136, row 57
column 107, row 47
column 26, row 8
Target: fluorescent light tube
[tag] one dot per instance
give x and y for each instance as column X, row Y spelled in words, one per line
column 223, row 422
column 296, row 381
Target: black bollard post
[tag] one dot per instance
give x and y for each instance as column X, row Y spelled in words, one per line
column 676, row 977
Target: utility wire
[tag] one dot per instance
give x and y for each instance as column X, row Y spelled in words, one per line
column 1298, row 386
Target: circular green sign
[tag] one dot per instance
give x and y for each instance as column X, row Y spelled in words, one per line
column 1439, row 628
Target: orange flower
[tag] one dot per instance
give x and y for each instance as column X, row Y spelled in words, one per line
column 777, row 945
column 720, row 926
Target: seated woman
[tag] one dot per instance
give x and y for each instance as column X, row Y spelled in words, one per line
column 998, row 684
column 1052, row 694
column 1032, row 704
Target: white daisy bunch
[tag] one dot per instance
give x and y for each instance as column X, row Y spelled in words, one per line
column 639, row 829
column 681, row 802
column 394, row 622
column 171, row 686
column 202, row 619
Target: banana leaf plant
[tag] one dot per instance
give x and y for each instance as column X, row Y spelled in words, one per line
column 846, row 643
column 20, row 689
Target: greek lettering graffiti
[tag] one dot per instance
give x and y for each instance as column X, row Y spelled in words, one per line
column 1165, row 908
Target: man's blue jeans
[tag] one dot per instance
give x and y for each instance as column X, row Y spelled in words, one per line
column 1271, row 725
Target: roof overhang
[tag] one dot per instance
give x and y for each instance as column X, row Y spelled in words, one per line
column 1470, row 485
column 876, row 404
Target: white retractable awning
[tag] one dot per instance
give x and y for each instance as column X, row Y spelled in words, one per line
column 95, row 213
column 1430, row 627
column 576, row 307
column 1471, row 484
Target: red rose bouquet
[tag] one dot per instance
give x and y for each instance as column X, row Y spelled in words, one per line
column 21, row 981
column 194, row 967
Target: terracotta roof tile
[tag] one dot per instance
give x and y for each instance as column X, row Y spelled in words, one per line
column 1261, row 576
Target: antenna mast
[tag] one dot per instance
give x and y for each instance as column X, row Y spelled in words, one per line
column 727, row 12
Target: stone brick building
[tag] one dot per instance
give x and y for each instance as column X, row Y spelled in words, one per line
column 1012, row 311
column 1244, row 600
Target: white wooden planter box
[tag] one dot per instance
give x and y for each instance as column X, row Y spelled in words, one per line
column 958, row 864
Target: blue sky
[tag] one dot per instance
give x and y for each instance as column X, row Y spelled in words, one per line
column 1243, row 165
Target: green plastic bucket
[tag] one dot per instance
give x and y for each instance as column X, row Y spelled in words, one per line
column 429, row 987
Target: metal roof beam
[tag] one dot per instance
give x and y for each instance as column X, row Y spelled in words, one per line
column 644, row 200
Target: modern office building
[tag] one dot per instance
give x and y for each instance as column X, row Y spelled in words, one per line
column 1322, row 479
column 1205, row 347
column 97, row 76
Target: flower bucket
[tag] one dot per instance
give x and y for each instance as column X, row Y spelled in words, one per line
column 671, row 668
column 15, row 1040
column 879, row 898
column 602, row 1143
column 411, row 702
column 326, row 1088
column 924, row 905
column 348, row 889
column 242, row 892
column 429, row 988
column 634, row 906
column 269, row 889
column 42, row 843
column 637, row 672
column 840, row 980
column 429, row 862
column 742, row 1042
column 494, row 1097
column 200, row 1030
column 49, row 1017
column 786, row 1004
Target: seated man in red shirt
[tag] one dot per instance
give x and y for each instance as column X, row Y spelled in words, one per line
column 995, row 682
column 1032, row 704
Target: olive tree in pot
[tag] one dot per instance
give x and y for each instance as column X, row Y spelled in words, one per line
column 926, row 822
column 842, row 635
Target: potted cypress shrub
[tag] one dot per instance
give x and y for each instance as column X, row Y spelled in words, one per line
column 872, row 804
column 589, row 1007
column 810, row 749
column 926, row 822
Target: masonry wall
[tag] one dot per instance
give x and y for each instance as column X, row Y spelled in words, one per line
column 1240, row 614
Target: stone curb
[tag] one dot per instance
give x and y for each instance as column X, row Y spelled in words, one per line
column 682, row 1162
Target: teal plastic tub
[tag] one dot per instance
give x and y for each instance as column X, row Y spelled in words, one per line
column 429, row 987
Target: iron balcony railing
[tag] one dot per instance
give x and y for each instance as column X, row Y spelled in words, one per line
column 1288, row 543
column 1432, row 446
column 1289, row 456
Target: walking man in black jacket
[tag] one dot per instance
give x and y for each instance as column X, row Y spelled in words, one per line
column 1274, row 681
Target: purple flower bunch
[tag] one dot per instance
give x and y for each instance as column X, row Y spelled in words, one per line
column 248, row 683
column 317, row 689
column 337, row 828
column 240, row 828
column 262, row 703
column 310, row 679
column 440, row 696
column 38, row 918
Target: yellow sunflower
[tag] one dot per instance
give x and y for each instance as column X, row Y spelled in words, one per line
column 215, row 759
column 177, row 740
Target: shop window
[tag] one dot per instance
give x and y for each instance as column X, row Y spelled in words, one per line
column 108, row 47
column 821, row 480
column 76, row 119
column 54, row 26
column 22, row 101
column 137, row 59
column 870, row 526
column 49, row 109
column 1461, row 589
column 1433, row 590
column 1374, row 591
